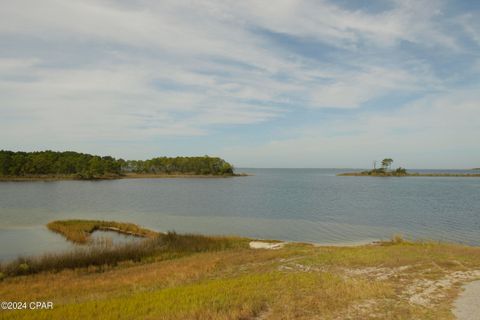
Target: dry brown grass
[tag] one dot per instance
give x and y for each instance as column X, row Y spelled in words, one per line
column 395, row 280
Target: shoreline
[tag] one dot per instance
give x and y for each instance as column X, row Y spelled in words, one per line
column 361, row 174
column 124, row 176
column 167, row 176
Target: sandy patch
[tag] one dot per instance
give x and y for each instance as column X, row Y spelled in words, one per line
column 467, row 306
column 425, row 292
column 266, row 245
column 377, row 273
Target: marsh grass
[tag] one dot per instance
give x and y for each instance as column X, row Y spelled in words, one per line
column 104, row 253
column 97, row 255
column 79, row 231
column 172, row 241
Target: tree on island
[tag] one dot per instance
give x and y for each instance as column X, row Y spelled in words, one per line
column 385, row 169
column 386, row 163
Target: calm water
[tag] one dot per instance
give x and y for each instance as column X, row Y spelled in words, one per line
column 311, row 205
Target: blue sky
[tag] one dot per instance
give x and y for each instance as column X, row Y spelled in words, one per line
column 263, row 84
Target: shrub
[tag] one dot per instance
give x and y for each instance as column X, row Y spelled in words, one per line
column 397, row 239
column 23, row 267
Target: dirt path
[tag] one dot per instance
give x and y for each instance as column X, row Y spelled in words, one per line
column 467, row 306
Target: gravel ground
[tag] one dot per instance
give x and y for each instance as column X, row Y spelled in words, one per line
column 467, row 306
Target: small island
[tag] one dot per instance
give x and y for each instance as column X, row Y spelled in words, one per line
column 69, row 165
column 79, row 231
column 386, row 171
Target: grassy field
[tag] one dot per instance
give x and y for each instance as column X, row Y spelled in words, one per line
column 222, row 278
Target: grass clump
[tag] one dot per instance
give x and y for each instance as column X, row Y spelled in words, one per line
column 79, row 231
column 98, row 255
column 397, row 239
column 174, row 242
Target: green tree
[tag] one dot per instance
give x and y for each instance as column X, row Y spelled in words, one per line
column 88, row 166
column 386, row 163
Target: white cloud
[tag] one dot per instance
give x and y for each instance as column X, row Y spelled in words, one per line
column 149, row 69
column 436, row 131
column 351, row 90
column 407, row 20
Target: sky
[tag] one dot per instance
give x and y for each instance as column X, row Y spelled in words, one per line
column 283, row 83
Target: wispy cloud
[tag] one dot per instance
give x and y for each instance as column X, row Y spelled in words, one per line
column 93, row 73
column 433, row 132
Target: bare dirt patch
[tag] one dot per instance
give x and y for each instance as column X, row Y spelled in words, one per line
column 467, row 306
column 266, row 245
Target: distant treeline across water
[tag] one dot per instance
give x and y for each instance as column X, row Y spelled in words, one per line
column 87, row 166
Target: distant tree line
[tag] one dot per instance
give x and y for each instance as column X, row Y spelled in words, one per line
column 185, row 165
column 89, row 166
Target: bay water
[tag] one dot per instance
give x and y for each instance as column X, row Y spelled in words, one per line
column 307, row 205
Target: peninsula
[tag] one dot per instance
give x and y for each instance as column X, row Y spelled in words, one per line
column 69, row 165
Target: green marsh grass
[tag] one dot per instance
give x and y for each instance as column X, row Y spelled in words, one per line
column 79, row 231
column 163, row 246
